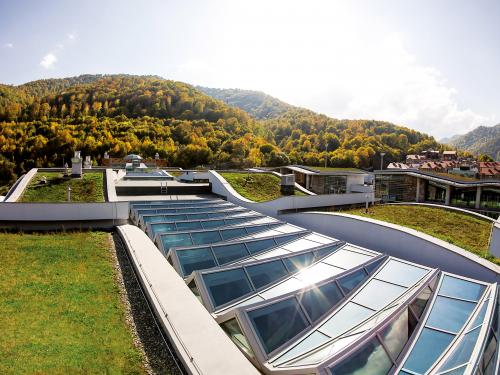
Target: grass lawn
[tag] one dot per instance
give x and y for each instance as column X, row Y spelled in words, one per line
column 465, row 231
column 60, row 307
column 86, row 189
column 260, row 187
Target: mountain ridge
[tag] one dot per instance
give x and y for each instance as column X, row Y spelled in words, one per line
column 481, row 140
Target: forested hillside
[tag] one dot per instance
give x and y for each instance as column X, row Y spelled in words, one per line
column 482, row 140
column 44, row 121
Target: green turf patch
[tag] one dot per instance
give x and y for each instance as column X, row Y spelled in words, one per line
column 466, row 231
column 60, row 307
column 89, row 188
column 258, row 187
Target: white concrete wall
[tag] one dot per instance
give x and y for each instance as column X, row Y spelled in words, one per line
column 47, row 212
column 398, row 241
column 16, row 194
column 222, row 187
column 200, row 343
column 495, row 239
column 111, row 178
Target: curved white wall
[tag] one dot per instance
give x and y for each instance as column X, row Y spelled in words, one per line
column 398, row 241
column 272, row 208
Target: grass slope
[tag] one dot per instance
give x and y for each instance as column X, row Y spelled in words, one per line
column 60, row 307
column 466, row 231
column 87, row 189
column 259, row 187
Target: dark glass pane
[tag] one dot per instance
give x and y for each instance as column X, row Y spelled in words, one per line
column 458, row 288
column 429, row 347
column 418, row 305
column 266, row 273
column 186, row 225
column 233, row 330
column 201, row 238
column 489, row 351
column 373, row 266
column 320, row 254
column 195, row 259
column 461, row 355
column 194, row 288
column 213, row 224
column 318, row 301
column 277, row 323
column 284, row 239
column 175, row 240
column 226, row 286
column 259, row 246
column 228, row 234
column 230, row 253
column 198, row 216
column 351, row 281
column 370, row 360
column 255, row 229
column 449, row 314
column 165, row 227
column 396, row 334
column 297, row 262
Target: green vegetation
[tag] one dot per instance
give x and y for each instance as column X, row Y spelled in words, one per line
column 258, row 187
column 466, row 231
column 89, row 188
column 43, row 122
column 60, row 307
column 455, row 177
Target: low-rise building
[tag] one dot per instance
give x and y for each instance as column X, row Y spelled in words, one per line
column 489, row 169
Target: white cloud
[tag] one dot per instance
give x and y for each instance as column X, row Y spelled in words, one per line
column 71, row 36
column 8, row 45
column 48, row 61
column 329, row 58
column 60, row 46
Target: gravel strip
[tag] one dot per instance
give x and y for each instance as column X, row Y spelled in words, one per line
column 159, row 357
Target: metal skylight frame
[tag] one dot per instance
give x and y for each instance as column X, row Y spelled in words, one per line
column 262, row 359
column 197, row 276
column 172, row 256
column 447, row 350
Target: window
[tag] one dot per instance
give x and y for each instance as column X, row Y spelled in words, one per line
column 272, row 327
column 297, row 262
column 418, row 305
column 462, row 353
column 449, row 314
column 371, row 359
column 227, row 285
column 396, row 335
column 175, row 240
column 428, row 348
column 376, row 294
column 201, row 238
column 352, row 280
column 347, row 259
column 318, row 301
column 259, row 246
column 186, row 225
column 266, row 273
column 234, row 332
column 401, row 273
column 458, row 288
column 195, row 259
column 213, row 224
column 228, row 234
column 230, row 253
column 347, row 317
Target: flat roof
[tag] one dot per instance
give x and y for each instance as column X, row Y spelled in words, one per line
column 447, row 178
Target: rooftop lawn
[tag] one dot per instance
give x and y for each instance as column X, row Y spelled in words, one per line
column 89, row 188
column 60, row 307
column 466, row 231
column 452, row 176
column 258, row 187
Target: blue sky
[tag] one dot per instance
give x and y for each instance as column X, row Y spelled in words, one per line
column 430, row 65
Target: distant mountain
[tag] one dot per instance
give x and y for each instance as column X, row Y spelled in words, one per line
column 482, row 140
column 256, row 103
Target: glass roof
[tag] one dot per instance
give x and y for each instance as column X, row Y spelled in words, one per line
column 144, row 219
column 452, row 307
column 257, row 275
